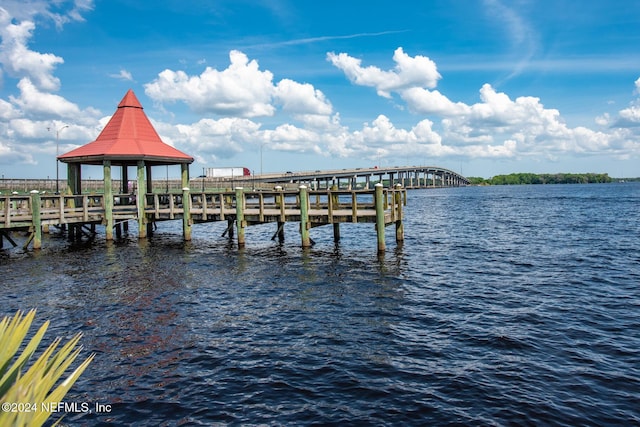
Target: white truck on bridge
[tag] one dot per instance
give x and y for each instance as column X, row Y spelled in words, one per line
column 230, row 172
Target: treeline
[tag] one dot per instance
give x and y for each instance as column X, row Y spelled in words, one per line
column 545, row 178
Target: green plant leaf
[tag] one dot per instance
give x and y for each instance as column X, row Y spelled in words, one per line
column 36, row 384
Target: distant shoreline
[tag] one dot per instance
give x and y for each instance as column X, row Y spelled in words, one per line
column 548, row 178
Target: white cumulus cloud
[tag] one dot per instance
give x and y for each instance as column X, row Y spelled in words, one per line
column 242, row 89
column 34, row 102
column 418, row 71
column 301, row 98
column 18, row 61
column 215, row 138
column 496, row 126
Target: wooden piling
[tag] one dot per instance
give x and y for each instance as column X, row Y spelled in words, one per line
column 186, row 215
column 398, row 210
column 280, row 203
column 35, row 219
column 124, row 189
column 108, row 200
column 240, row 222
column 305, row 225
column 140, row 201
column 379, row 199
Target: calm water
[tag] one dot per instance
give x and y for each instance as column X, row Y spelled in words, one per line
column 505, row 306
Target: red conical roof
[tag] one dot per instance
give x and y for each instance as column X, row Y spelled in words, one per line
column 128, row 137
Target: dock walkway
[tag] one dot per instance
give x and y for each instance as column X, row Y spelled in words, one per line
column 240, row 208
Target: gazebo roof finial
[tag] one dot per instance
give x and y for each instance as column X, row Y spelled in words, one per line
column 130, row 100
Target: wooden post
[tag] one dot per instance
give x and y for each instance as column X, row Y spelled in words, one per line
column 149, row 190
column 108, row 200
column 140, row 201
column 354, row 207
column 72, row 179
column 124, row 189
column 335, row 198
column 305, row 225
column 186, row 202
column 240, row 222
column 279, row 198
column 35, row 219
column 333, row 203
column 398, row 207
column 186, row 214
column 380, row 217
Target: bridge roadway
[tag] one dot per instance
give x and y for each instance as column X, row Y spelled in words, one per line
column 359, row 178
column 408, row 176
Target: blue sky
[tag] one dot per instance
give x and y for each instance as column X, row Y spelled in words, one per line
column 482, row 87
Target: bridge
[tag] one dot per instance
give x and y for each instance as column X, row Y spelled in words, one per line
column 409, row 176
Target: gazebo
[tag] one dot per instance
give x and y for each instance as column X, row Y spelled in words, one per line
column 128, row 139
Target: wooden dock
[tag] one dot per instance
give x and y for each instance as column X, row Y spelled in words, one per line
column 239, row 208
